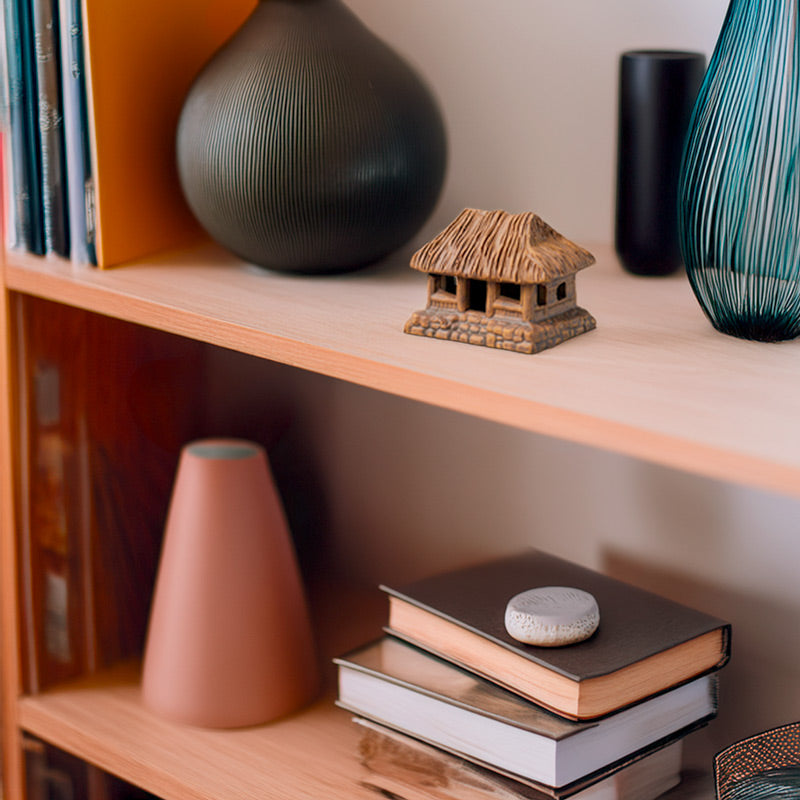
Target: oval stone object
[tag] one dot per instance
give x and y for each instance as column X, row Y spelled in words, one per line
column 552, row 616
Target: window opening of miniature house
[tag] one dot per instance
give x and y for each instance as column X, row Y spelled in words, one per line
column 446, row 285
column 561, row 291
column 541, row 294
column 510, row 291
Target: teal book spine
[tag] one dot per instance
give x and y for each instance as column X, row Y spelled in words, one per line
column 24, row 169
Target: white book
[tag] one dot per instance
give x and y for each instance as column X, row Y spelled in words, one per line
column 75, row 133
column 409, row 690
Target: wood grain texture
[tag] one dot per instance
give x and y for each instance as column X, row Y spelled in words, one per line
column 312, row 754
column 9, row 627
column 655, row 381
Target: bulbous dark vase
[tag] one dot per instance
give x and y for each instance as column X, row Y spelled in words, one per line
column 306, row 144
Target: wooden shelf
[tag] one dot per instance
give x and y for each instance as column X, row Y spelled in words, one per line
column 312, row 754
column 654, row 381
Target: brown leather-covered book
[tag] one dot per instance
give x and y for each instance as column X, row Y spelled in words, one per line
column 644, row 644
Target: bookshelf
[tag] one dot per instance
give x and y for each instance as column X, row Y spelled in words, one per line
column 654, row 381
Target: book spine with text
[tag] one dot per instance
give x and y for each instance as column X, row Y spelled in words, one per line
column 24, row 169
column 51, row 126
column 52, row 515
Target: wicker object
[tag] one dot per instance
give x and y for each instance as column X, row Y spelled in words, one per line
column 764, row 765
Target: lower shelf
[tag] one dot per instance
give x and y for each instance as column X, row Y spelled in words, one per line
column 312, row 754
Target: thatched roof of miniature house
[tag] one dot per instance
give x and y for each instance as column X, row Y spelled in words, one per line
column 498, row 246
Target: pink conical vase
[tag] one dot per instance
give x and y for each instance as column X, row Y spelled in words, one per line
column 229, row 642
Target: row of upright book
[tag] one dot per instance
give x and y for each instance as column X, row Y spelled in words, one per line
column 38, row 218
column 52, row 774
column 93, row 90
column 100, row 400
column 449, row 703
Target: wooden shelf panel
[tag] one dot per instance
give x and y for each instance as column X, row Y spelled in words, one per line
column 312, row 754
column 654, row 381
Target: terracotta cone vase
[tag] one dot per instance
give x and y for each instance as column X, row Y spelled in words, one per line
column 229, row 642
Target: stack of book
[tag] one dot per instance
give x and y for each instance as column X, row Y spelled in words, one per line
column 448, row 693
column 94, row 89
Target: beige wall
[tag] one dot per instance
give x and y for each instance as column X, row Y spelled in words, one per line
column 528, row 89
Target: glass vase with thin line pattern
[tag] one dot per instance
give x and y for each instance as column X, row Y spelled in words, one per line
column 739, row 188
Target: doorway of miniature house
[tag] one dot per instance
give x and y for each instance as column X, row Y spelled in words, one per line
column 476, row 295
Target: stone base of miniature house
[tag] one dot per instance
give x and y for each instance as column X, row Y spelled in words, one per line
column 504, row 333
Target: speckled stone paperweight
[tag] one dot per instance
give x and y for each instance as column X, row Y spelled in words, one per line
column 552, row 616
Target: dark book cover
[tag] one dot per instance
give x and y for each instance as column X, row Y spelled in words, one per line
column 25, row 170
column 634, row 623
column 52, row 774
column 51, row 126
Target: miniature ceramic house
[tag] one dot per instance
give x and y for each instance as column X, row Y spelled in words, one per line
column 501, row 280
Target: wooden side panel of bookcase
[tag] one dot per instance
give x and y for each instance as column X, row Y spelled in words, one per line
column 9, row 620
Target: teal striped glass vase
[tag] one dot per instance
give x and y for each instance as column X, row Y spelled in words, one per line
column 739, row 188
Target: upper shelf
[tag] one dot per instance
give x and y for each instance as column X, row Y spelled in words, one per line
column 654, row 381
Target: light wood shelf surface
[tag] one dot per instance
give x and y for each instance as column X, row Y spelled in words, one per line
column 312, row 754
column 308, row 756
column 654, row 381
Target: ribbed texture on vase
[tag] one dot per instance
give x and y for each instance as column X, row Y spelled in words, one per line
column 306, row 144
column 740, row 188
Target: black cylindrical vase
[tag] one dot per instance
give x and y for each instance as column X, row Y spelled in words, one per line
column 306, row 144
column 657, row 92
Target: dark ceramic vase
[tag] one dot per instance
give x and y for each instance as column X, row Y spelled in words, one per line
column 657, row 92
column 307, row 145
